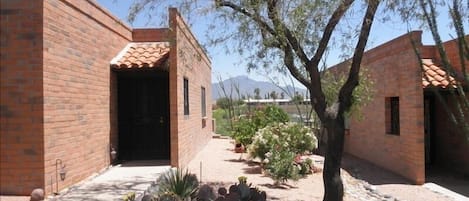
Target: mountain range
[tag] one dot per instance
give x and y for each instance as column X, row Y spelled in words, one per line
column 247, row 87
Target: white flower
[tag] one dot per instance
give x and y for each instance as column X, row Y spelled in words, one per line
column 265, row 161
column 268, row 154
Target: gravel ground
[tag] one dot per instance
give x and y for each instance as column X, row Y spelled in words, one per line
column 217, row 163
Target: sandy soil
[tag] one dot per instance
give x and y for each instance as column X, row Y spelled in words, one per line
column 218, row 163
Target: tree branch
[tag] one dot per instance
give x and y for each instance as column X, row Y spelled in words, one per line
column 288, row 56
column 317, row 96
column 282, row 28
column 326, row 36
column 345, row 94
column 462, row 44
column 289, row 62
column 262, row 24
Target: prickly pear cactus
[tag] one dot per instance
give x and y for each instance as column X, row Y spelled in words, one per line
column 168, row 197
column 244, row 192
column 241, row 192
column 206, row 193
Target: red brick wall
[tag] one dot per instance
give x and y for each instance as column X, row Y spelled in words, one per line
column 80, row 39
column 187, row 60
column 153, row 35
column 56, row 100
column 452, row 52
column 396, row 72
column 21, row 99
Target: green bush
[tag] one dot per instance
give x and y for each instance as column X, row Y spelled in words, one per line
column 243, row 131
column 222, row 122
column 274, row 114
column 281, row 167
column 246, row 127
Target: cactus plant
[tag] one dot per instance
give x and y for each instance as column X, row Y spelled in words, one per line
column 182, row 184
column 206, row 193
column 241, row 192
column 129, row 196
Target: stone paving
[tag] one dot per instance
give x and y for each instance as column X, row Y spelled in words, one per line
column 116, row 182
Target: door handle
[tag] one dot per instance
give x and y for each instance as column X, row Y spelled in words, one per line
column 161, row 120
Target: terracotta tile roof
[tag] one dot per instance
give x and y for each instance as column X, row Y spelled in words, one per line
column 141, row 55
column 435, row 76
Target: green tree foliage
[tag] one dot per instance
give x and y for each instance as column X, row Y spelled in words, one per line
column 224, row 103
column 363, row 93
column 257, row 93
column 298, row 98
column 223, row 125
column 246, row 127
column 273, row 95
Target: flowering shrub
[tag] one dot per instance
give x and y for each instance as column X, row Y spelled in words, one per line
column 280, row 166
column 246, row 127
column 291, row 137
column 305, row 165
column 280, row 146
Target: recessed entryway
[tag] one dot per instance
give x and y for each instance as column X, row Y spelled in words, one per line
column 143, row 115
column 445, row 149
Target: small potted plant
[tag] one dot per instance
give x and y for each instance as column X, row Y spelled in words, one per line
column 239, row 148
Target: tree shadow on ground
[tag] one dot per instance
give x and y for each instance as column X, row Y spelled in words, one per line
column 235, row 160
column 253, row 170
column 375, row 175
column 370, row 173
column 111, row 189
column 453, row 181
column 254, row 167
column 283, row 186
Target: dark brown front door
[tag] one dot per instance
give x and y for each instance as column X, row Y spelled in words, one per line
column 428, row 130
column 143, row 107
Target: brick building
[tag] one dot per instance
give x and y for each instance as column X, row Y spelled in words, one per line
column 77, row 83
column 405, row 128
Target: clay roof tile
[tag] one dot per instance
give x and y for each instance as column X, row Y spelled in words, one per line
column 141, row 55
column 435, row 76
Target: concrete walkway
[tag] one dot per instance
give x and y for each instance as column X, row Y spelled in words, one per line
column 116, row 182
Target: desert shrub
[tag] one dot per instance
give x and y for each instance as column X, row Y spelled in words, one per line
column 280, row 166
column 223, row 122
column 279, row 145
column 246, row 126
column 305, row 166
column 243, row 130
column 274, row 114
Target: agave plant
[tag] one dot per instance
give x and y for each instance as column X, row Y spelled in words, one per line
column 176, row 182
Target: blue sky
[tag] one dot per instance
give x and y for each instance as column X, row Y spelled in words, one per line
column 230, row 65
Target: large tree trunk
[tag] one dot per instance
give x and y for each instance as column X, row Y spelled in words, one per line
column 333, row 186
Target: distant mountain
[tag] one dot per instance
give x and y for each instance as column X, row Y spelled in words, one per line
column 247, row 86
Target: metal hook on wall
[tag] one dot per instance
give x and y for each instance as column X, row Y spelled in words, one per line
column 62, row 173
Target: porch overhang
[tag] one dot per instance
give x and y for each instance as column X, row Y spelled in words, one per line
column 142, row 55
column 434, row 76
